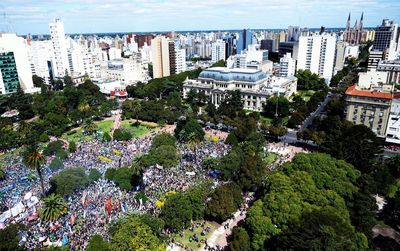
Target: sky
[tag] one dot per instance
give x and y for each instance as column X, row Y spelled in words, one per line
column 95, row 16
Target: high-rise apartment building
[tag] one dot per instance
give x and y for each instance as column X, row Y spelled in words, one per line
column 317, row 54
column 57, row 35
column 8, row 73
column 41, row 57
column 287, row 66
column 160, row 57
column 218, row 51
column 10, row 42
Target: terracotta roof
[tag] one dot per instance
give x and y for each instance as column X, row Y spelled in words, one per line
column 352, row 91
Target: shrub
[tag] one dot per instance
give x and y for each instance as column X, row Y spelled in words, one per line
column 122, row 135
column 107, row 137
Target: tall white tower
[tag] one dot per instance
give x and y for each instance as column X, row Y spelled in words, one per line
column 60, row 48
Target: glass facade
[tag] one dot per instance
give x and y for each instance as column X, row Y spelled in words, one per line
column 9, row 72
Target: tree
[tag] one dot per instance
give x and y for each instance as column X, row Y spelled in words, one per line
column 9, row 239
column 240, row 240
column 56, row 164
column 165, row 155
column 37, row 81
column 277, row 131
column 163, row 139
column 126, row 178
column 231, row 105
column 34, row 160
column 225, row 200
column 193, row 141
column 295, row 119
column 136, row 108
column 68, row 180
column 231, row 139
column 391, row 212
column 94, row 175
column 277, row 105
column 72, row 146
column 97, row 243
column 89, row 126
column 185, row 128
column 53, row 208
column 133, row 234
column 120, row 134
column 309, row 81
column 323, row 229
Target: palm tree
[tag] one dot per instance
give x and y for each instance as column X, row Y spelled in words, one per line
column 193, row 141
column 34, row 160
column 136, row 108
column 89, row 126
column 53, row 208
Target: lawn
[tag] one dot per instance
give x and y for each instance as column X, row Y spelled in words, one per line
column 137, row 131
column 104, row 126
column 270, row 158
column 184, row 239
column 306, row 95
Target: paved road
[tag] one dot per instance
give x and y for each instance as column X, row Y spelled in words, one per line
column 291, row 135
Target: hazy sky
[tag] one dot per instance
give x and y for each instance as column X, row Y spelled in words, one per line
column 90, row 16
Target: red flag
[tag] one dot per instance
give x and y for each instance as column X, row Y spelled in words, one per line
column 108, row 205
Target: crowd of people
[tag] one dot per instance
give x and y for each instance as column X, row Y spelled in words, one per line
column 92, row 210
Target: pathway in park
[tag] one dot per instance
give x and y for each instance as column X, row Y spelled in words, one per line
column 220, row 235
column 117, row 123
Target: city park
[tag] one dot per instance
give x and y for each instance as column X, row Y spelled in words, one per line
column 156, row 172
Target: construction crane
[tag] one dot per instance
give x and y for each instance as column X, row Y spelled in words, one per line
column 5, row 23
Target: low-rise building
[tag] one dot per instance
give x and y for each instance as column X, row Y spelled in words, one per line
column 254, row 85
column 370, row 107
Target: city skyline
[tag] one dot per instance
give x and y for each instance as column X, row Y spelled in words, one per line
column 92, row 16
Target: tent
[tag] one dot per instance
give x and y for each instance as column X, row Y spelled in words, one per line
column 17, row 209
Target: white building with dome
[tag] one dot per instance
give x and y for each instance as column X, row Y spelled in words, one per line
column 254, row 85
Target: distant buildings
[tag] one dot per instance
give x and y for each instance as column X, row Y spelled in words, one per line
column 289, row 47
column 317, row 54
column 268, row 44
column 252, row 58
column 218, row 51
column 244, row 40
column 255, row 86
column 14, row 59
column 59, row 47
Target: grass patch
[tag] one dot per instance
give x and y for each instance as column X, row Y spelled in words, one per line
column 270, row 158
column 184, row 239
column 137, row 131
column 104, row 126
column 306, row 94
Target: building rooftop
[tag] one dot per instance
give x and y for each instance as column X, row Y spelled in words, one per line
column 238, row 74
column 353, row 91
